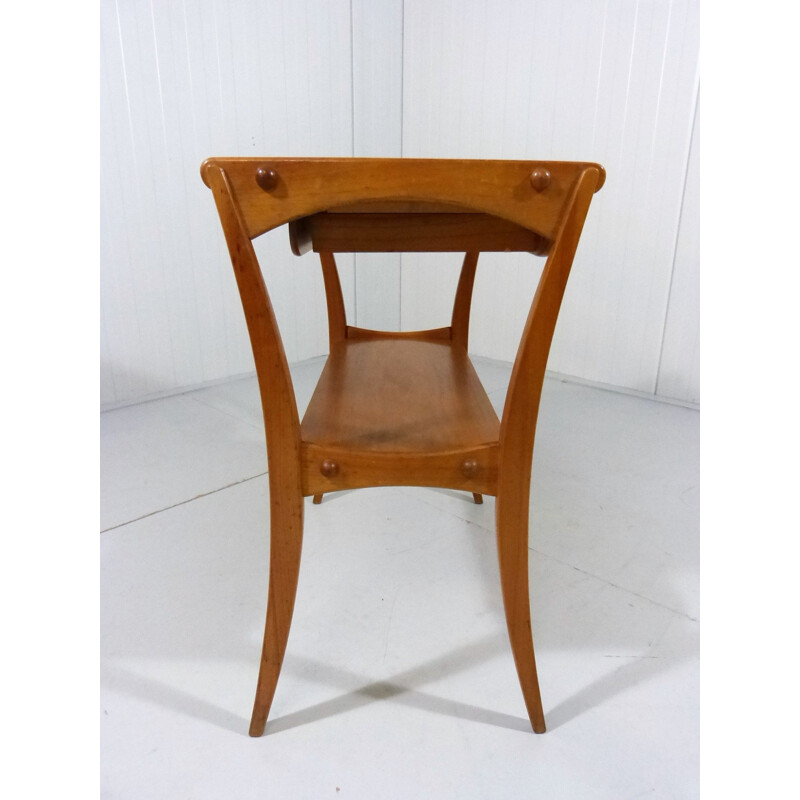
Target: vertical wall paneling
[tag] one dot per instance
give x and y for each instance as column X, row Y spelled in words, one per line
column 206, row 121
column 119, row 338
column 130, row 294
column 679, row 372
column 613, row 81
column 181, row 81
column 377, row 29
column 610, row 81
column 311, row 61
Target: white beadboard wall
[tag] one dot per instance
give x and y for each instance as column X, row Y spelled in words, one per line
column 377, row 132
column 614, row 81
column 679, row 371
column 183, row 80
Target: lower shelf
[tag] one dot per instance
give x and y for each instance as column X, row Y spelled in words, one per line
column 399, row 412
column 401, row 396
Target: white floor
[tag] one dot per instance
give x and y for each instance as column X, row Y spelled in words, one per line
column 398, row 679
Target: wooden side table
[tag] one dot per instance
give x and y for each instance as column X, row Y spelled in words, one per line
column 400, row 409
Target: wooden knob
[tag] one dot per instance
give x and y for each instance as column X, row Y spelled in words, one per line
column 329, row 468
column 540, row 179
column 267, row 179
column 469, row 468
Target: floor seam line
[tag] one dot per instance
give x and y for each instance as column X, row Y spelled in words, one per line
column 571, row 566
column 616, row 585
column 182, row 502
column 228, row 414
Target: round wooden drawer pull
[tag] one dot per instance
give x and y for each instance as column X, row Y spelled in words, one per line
column 329, row 468
column 469, row 468
column 267, row 179
column 540, row 179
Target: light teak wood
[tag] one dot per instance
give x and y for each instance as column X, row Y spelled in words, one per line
column 405, row 232
column 401, row 408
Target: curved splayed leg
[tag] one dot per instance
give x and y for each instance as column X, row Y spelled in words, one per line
column 286, row 540
column 512, row 549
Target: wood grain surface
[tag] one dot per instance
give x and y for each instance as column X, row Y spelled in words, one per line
column 401, row 408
